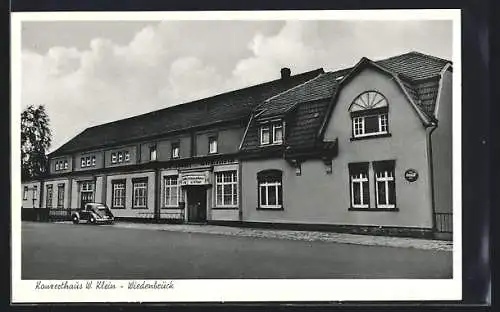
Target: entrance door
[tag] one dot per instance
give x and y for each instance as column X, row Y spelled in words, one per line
column 197, row 203
column 86, row 197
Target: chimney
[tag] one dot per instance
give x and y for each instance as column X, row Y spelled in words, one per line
column 285, row 73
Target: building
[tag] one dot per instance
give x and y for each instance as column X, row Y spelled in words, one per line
column 363, row 149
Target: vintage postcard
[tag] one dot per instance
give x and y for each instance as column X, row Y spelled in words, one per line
column 236, row 156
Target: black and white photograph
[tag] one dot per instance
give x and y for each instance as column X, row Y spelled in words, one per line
column 236, row 157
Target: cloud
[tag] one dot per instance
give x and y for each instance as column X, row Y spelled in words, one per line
column 173, row 62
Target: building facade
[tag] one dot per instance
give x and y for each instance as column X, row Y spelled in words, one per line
column 364, row 149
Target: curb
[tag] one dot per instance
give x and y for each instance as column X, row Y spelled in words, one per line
column 310, row 236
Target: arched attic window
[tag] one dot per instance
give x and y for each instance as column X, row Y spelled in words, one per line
column 369, row 114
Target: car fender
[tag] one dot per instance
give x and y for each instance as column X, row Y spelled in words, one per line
column 77, row 214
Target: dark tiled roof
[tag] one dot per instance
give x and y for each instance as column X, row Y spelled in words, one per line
column 414, row 65
column 228, row 106
column 306, row 105
column 315, row 89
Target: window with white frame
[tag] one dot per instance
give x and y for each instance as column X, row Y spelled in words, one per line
column 127, row 156
column 359, row 185
column 57, row 166
column 270, row 189
column 25, row 193
column 271, row 133
column 120, row 157
column 265, row 135
column 226, row 189
column 212, row 145
column 48, row 203
column 65, row 164
column 277, row 133
column 88, row 161
column 175, row 150
column 60, row 195
column 171, row 185
column 152, row 153
column 118, row 188
column 385, row 184
column 35, row 192
column 113, row 158
column 140, row 193
column 369, row 113
column 87, row 186
column 83, row 162
column 93, row 161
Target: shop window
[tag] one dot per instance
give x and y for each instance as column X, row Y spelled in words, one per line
column 212, row 145
column 359, row 186
column 119, row 191
column 369, row 113
column 48, row 202
column 226, row 189
column 385, row 184
column 60, row 195
column 270, row 189
column 171, row 185
column 140, row 193
column 175, row 150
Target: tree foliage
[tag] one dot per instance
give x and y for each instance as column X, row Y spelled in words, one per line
column 35, row 141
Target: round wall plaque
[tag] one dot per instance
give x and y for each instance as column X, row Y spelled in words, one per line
column 411, row 175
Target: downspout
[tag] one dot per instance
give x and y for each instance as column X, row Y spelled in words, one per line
column 429, row 131
column 157, row 186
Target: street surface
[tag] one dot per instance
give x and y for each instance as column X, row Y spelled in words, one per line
column 67, row 251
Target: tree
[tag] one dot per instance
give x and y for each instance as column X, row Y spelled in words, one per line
column 35, row 141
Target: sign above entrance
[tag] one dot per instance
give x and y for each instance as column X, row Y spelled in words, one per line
column 195, row 179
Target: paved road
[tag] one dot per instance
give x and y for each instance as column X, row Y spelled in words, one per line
column 66, row 251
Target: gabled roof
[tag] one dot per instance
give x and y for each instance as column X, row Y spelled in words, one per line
column 225, row 107
column 306, row 107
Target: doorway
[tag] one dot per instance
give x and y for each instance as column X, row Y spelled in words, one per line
column 197, row 203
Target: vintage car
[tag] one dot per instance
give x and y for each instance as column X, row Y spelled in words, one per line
column 93, row 213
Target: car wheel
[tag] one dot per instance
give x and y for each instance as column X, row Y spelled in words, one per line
column 75, row 220
column 92, row 220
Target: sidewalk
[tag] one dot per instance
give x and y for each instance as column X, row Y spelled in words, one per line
column 342, row 238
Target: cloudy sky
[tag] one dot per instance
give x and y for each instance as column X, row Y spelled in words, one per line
column 87, row 73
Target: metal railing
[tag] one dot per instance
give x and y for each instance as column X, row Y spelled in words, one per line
column 444, row 222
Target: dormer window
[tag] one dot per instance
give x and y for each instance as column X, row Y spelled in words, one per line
column 175, row 150
column 369, row 113
column 212, row 145
column 271, row 133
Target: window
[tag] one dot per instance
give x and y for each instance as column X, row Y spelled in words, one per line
column 140, row 198
column 270, row 189
column 113, row 158
column 120, row 157
column 35, row 192
column 212, row 145
column 385, row 184
column 171, row 191
column 127, row 156
column 87, row 186
column 175, row 150
column 60, row 195
column 271, row 137
column 369, row 113
column 118, row 199
column 264, row 135
column 226, row 189
column 152, row 152
column 93, row 161
column 65, row 164
column 57, row 166
column 25, row 193
column 360, row 191
column 83, row 162
column 49, row 196
column 278, row 133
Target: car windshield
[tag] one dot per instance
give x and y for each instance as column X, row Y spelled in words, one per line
column 99, row 209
